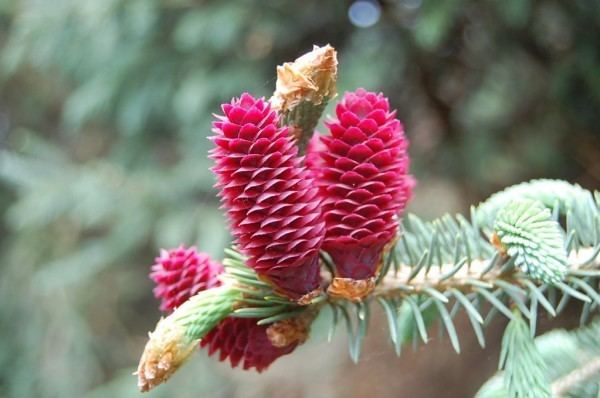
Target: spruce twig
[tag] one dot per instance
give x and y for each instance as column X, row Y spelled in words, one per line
column 576, row 377
column 402, row 284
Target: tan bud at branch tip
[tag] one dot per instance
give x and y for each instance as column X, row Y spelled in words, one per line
column 167, row 349
column 309, row 78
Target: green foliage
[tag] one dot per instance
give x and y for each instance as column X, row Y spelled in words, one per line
column 569, row 200
column 356, row 320
column 565, row 354
column 536, row 242
column 441, row 267
column 435, row 21
column 202, row 312
column 525, row 373
column 259, row 299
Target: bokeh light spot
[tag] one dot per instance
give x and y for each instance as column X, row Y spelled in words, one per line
column 364, row 13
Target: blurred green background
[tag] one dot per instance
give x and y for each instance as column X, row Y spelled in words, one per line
column 105, row 106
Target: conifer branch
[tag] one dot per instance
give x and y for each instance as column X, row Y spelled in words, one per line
column 572, row 364
column 176, row 336
column 536, row 243
column 435, row 270
column 516, row 264
column 525, row 373
column 467, row 278
column 576, row 377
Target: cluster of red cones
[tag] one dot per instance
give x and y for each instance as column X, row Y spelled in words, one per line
column 179, row 274
column 344, row 198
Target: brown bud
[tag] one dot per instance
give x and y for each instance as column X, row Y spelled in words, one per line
column 291, row 331
column 309, row 78
column 167, row 349
column 497, row 243
column 351, row 289
column 309, row 297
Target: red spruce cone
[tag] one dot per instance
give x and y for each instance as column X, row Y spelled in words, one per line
column 181, row 273
column 271, row 200
column 364, row 183
column 244, row 342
